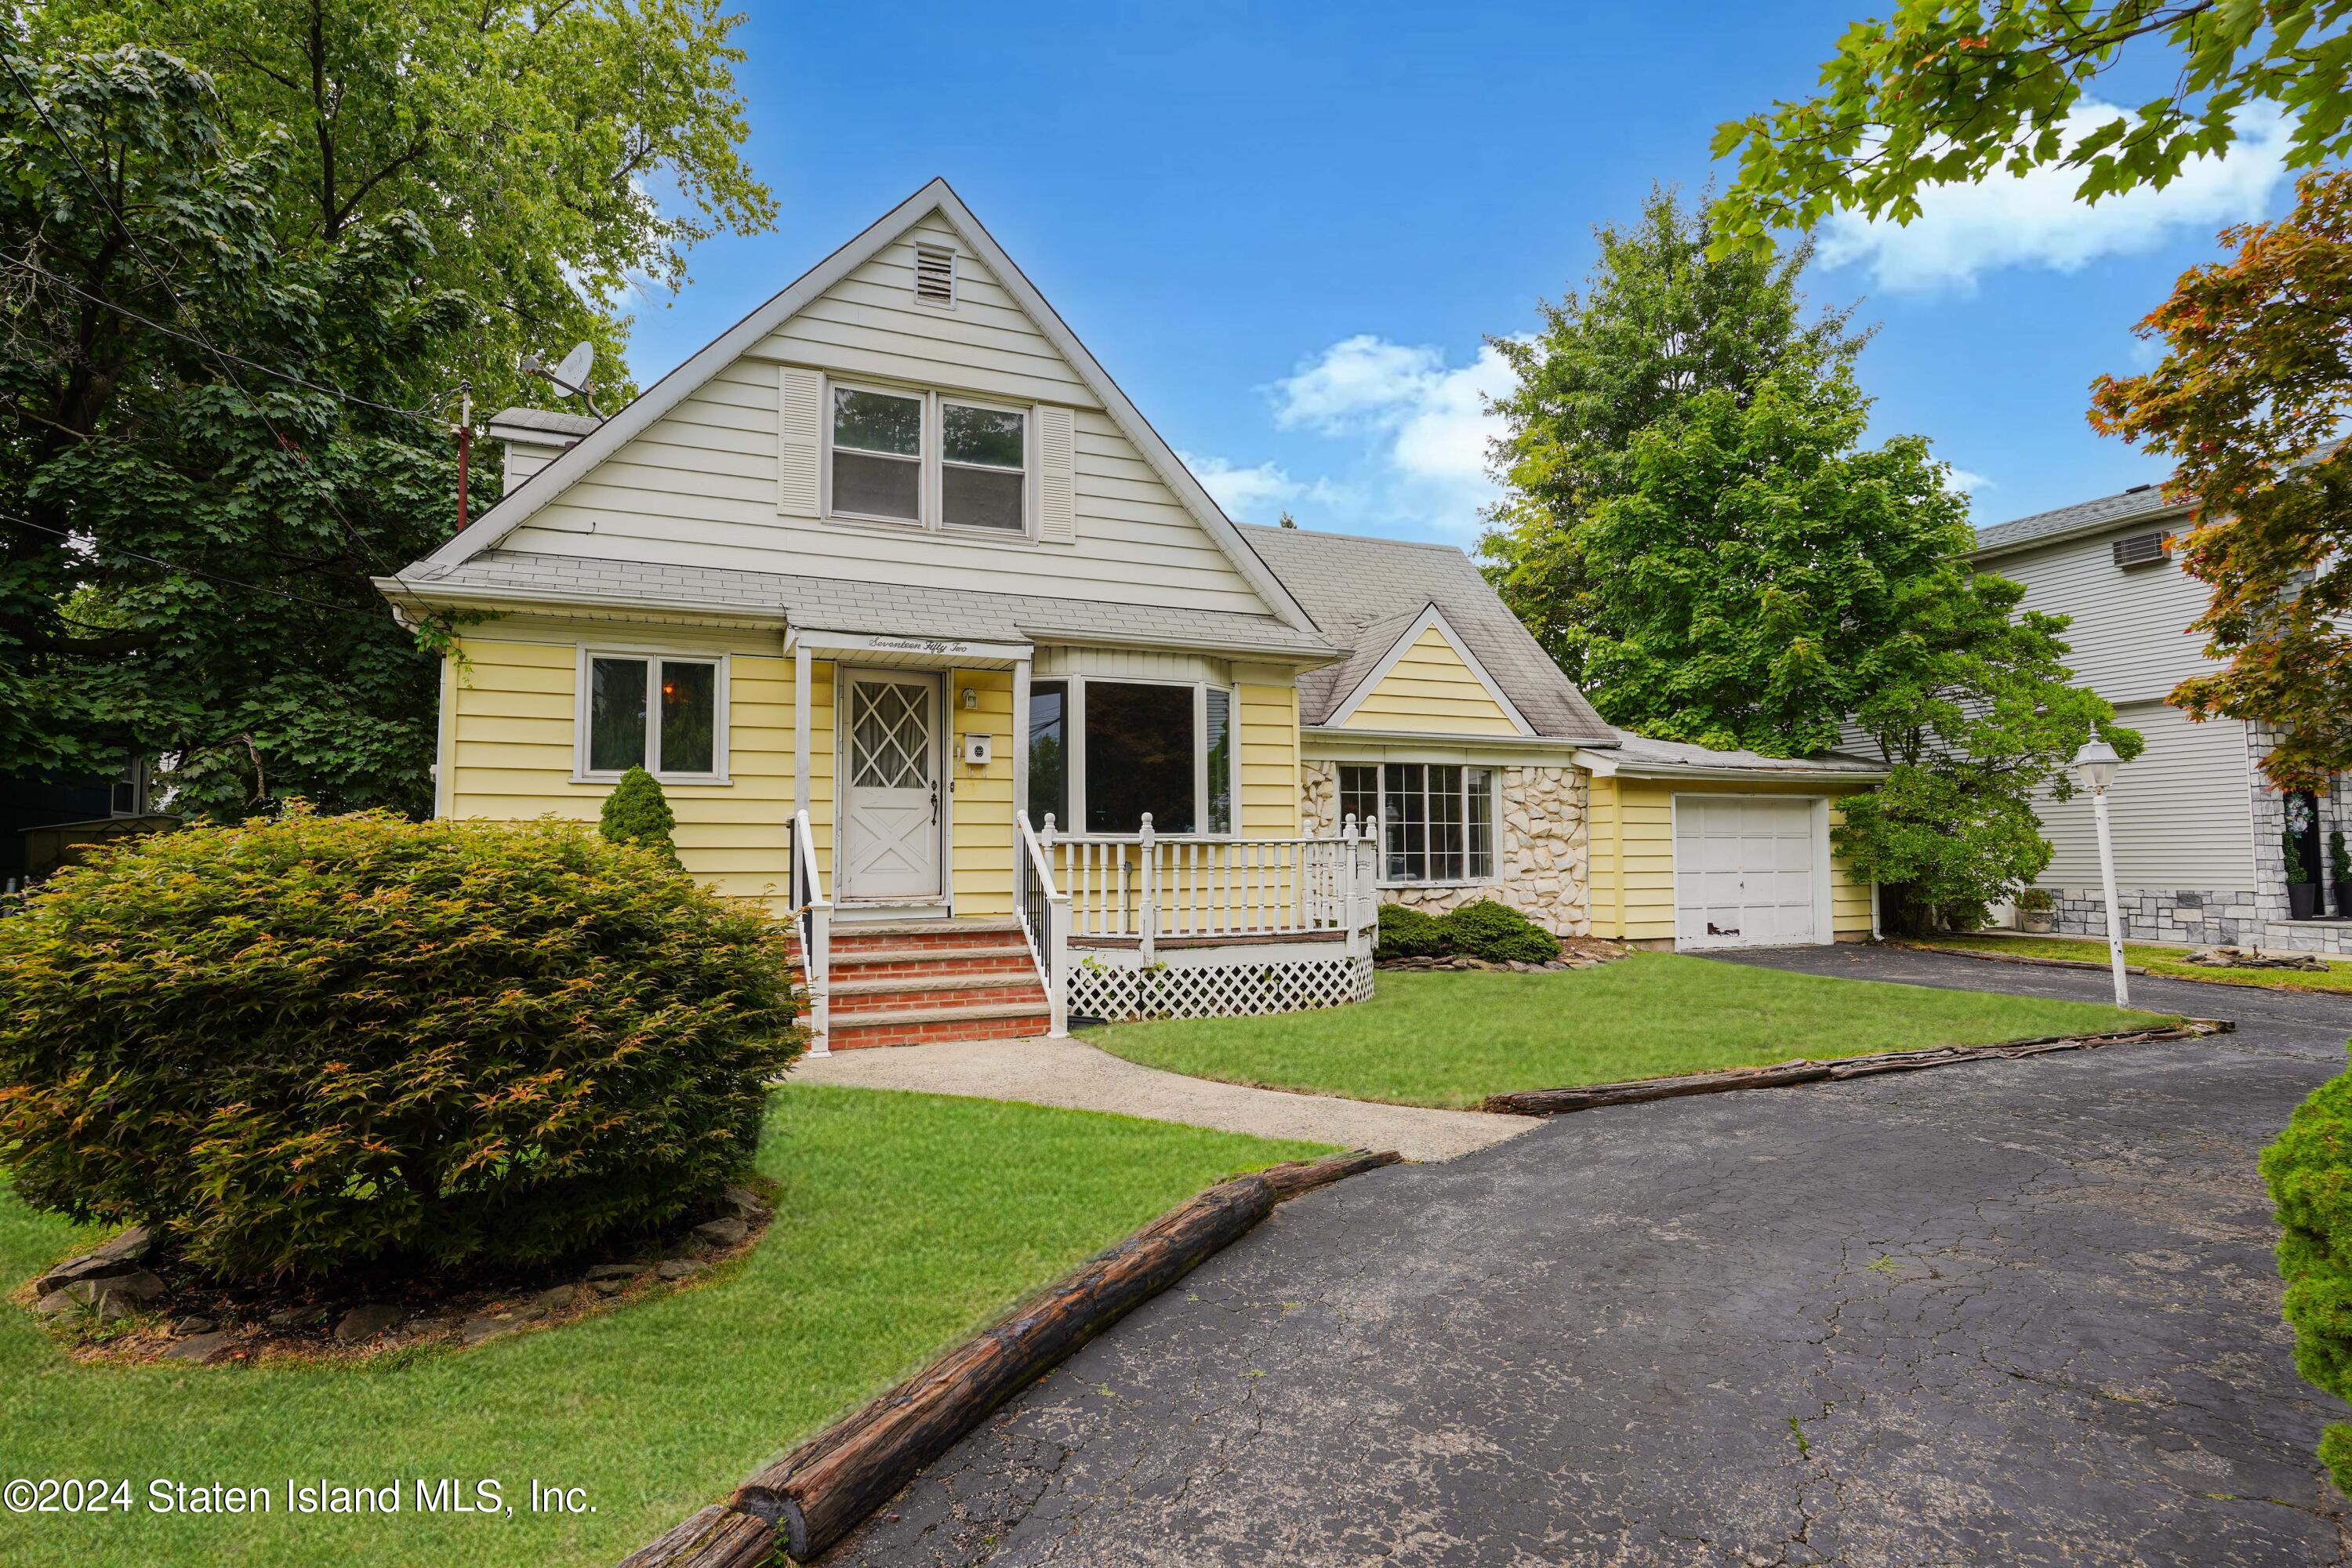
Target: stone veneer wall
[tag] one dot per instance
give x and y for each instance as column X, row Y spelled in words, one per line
column 1544, row 858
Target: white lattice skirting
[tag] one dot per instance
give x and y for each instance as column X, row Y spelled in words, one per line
column 1217, row 990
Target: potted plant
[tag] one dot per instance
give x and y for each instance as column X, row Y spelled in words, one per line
column 2036, row 911
column 2302, row 892
column 2342, row 858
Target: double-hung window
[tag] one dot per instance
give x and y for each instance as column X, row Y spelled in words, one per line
column 1437, row 819
column 930, row 459
column 663, row 712
column 1102, row 753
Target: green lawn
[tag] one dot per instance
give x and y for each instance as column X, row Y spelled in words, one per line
column 1453, row 1038
column 906, row 1220
column 2165, row 961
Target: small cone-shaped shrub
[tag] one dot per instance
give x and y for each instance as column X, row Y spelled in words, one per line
column 637, row 813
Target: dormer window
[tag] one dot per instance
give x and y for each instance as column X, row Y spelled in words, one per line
column 930, row 459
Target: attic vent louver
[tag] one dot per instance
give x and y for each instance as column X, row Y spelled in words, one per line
column 935, row 274
column 2143, row 550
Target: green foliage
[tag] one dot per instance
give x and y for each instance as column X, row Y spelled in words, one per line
column 1950, row 91
column 1697, row 530
column 2339, row 856
column 1499, row 934
column 2290, row 850
column 1407, row 932
column 637, row 813
column 1660, row 322
column 189, row 538
column 2309, row 1173
column 2037, row 899
column 307, row 1046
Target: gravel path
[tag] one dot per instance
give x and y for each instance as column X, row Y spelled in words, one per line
column 1073, row 1073
column 2016, row 1312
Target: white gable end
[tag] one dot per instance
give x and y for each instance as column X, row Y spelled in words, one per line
column 719, row 474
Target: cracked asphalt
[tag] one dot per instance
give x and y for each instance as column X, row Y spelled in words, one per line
column 2013, row 1313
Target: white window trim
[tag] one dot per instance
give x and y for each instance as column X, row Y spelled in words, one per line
column 930, row 460
column 925, row 449
column 1027, row 532
column 1074, row 755
column 583, row 694
column 1494, row 877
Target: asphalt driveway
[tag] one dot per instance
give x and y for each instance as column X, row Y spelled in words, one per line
column 2017, row 1312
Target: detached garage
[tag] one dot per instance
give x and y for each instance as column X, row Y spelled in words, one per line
column 1695, row 849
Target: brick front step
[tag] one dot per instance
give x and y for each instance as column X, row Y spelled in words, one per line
column 947, row 990
column 999, row 1021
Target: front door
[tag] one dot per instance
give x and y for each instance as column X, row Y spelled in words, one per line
column 891, row 811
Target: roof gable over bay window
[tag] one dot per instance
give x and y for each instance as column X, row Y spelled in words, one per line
column 909, row 413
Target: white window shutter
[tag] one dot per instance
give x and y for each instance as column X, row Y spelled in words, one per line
column 800, row 439
column 1057, row 501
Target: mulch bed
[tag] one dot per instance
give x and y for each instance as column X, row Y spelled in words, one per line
column 1781, row 1075
column 131, row 1301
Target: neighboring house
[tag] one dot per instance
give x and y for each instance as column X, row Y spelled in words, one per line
column 2197, row 828
column 895, row 558
column 42, row 821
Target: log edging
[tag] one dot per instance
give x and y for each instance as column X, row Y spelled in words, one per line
column 1781, row 1075
column 816, row 1494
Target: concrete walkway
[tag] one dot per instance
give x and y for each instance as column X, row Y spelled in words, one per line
column 1074, row 1074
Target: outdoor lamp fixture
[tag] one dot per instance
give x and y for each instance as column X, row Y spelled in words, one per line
column 2096, row 766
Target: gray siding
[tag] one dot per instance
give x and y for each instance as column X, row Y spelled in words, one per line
column 2130, row 637
column 2181, row 816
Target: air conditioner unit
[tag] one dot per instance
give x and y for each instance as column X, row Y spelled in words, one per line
column 2144, row 549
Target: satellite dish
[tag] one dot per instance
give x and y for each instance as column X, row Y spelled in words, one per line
column 572, row 375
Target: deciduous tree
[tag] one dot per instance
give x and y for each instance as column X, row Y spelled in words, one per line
column 2250, row 402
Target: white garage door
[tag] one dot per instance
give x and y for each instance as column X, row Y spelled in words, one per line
column 1744, row 871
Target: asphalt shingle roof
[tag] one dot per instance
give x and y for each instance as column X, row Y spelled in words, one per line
column 2139, row 501
column 837, row 605
column 1363, row 592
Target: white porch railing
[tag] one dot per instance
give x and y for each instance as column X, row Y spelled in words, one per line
column 1045, row 921
column 813, row 912
column 1147, row 888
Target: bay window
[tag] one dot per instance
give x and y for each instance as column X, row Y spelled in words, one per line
column 662, row 712
column 929, row 460
column 1102, row 753
column 1437, row 819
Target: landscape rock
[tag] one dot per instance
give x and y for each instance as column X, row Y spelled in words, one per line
column 722, row 1232
column 56, row 1304
column 114, row 1296
column 91, row 1265
column 612, row 1285
column 2254, row 958
column 556, row 1300
column 603, row 1272
column 679, row 1268
column 295, row 1317
column 742, row 1203
column 199, row 1348
column 186, row 1326
column 475, row 1331
column 134, row 1246
column 367, row 1320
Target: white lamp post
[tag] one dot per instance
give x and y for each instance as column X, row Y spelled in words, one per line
column 2096, row 766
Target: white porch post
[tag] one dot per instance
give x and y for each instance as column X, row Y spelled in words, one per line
column 801, row 662
column 1019, row 740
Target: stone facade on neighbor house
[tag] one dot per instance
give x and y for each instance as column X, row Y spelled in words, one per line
column 2194, row 822
column 1543, row 854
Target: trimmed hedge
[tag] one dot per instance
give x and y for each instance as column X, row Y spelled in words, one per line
column 1407, row 932
column 2309, row 1171
column 304, row 1045
column 1499, row 934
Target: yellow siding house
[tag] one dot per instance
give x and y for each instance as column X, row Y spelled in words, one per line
column 937, row 649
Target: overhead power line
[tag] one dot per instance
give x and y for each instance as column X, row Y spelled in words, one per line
column 195, row 570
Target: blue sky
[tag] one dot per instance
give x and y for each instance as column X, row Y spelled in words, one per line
column 1288, row 230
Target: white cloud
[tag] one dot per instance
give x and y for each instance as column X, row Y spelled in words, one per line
column 1244, row 493
column 1424, row 422
column 2036, row 220
column 1961, row 481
